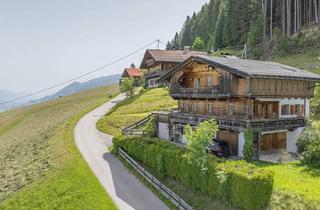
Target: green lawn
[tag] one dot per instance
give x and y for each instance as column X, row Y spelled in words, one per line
column 133, row 109
column 40, row 166
column 295, row 184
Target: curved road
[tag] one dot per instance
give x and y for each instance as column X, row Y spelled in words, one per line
column 124, row 188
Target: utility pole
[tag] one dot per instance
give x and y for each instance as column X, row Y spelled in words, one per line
column 158, row 44
column 244, row 52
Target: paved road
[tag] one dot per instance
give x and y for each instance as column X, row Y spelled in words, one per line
column 124, row 188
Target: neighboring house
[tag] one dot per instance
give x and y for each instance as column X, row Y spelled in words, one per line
column 268, row 98
column 159, row 62
column 133, row 73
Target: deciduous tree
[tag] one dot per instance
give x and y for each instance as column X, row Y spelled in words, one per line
column 198, row 140
column 127, row 86
column 198, row 44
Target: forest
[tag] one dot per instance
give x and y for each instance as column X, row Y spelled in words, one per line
column 254, row 23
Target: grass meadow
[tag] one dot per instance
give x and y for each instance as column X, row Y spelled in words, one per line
column 40, row 166
column 295, row 186
column 133, row 109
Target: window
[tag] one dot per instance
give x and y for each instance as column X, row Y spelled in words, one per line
column 152, row 83
column 298, row 108
column 209, row 107
column 231, row 109
column 197, row 82
column 285, row 109
column 219, row 80
column 256, row 109
column 292, row 109
column 194, row 107
column 186, row 106
column 209, row 81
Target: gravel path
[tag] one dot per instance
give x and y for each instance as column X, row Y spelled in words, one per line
column 124, row 188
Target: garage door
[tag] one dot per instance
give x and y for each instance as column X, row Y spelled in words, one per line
column 231, row 138
column 273, row 141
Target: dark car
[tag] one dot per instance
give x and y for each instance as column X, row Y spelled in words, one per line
column 219, row 148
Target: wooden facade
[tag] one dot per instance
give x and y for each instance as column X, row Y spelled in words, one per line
column 159, row 62
column 239, row 108
column 217, row 83
column 268, row 103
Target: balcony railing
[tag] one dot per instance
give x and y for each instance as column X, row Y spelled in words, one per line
column 201, row 92
column 239, row 124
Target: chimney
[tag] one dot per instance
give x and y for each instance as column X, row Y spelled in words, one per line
column 186, row 49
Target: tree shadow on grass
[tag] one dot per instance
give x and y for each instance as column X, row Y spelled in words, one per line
column 313, row 170
column 263, row 164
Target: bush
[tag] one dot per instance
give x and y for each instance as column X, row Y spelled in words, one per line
column 309, row 144
column 246, row 186
column 237, row 182
column 248, row 145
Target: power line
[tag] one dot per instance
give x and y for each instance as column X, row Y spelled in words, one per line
column 164, row 44
column 80, row 76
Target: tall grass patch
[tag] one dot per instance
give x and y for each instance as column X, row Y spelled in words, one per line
column 40, row 167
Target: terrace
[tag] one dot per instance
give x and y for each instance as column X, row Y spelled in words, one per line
column 238, row 123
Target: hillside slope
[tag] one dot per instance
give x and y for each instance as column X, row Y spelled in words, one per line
column 133, row 109
column 40, row 167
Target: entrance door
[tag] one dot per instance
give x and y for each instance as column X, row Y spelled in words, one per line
column 273, row 141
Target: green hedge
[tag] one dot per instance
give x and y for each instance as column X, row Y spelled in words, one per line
column 237, row 182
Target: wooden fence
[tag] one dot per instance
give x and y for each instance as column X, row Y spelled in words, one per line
column 132, row 132
column 165, row 191
column 132, row 129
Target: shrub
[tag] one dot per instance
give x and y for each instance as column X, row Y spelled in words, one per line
column 237, row 182
column 309, row 144
column 248, row 145
column 246, row 186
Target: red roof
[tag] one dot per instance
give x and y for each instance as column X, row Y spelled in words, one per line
column 133, row 72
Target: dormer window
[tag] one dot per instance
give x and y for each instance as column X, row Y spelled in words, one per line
column 209, row 81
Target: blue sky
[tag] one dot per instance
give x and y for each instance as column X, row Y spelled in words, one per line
column 44, row 42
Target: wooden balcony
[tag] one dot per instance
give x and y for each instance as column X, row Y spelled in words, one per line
column 203, row 92
column 240, row 123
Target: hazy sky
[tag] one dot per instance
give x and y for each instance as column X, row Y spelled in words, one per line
column 43, row 42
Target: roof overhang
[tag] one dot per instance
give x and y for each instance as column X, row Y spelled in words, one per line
column 237, row 72
column 199, row 60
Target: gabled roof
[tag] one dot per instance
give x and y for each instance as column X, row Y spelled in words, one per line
column 132, row 72
column 249, row 68
column 172, row 56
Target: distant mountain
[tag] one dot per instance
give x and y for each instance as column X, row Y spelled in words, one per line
column 7, row 95
column 77, row 87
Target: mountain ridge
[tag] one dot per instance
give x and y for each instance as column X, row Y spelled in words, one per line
column 6, row 95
